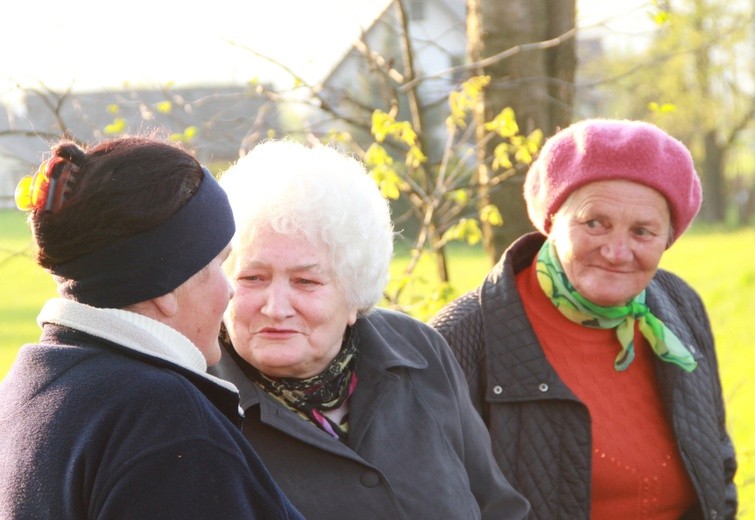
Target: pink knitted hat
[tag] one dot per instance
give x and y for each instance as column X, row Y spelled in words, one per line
column 604, row 149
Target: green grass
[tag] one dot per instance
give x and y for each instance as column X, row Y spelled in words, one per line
column 24, row 287
column 720, row 264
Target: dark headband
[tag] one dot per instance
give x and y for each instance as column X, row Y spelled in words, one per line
column 155, row 262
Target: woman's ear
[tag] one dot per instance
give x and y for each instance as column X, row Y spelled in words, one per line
column 353, row 315
column 167, row 304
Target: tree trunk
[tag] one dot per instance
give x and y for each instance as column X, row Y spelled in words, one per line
column 538, row 85
column 713, row 180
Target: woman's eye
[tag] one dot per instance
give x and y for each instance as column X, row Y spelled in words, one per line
column 644, row 232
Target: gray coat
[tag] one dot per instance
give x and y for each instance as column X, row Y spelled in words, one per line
column 417, row 449
column 540, row 429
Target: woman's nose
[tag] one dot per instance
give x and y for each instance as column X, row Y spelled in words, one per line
column 277, row 301
column 617, row 249
column 231, row 292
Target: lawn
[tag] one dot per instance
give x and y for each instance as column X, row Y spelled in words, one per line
column 23, row 287
column 719, row 264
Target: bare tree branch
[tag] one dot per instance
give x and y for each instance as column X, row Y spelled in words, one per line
column 490, row 60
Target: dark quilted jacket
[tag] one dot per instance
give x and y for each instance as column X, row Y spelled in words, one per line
column 541, row 431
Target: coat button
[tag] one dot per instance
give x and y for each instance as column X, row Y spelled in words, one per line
column 543, row 387
column 497, row 390
column 370, row 479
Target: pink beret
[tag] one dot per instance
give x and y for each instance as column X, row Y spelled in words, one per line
column 604, row 149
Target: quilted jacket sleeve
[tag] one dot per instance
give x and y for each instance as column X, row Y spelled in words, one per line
column 690, row 307
column 727, row 451
column 460, row 323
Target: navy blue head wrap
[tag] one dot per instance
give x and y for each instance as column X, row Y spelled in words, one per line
column 155, row 262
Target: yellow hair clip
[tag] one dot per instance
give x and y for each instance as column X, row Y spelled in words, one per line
column 31, row 192
column 48, row 189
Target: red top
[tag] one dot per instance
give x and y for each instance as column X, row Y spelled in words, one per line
column 637, row 471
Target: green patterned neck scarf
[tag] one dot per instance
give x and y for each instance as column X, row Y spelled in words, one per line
column 552, row 279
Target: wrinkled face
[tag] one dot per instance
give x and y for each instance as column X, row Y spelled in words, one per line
column 609, row 237
column 288, row 315
column 202, row 299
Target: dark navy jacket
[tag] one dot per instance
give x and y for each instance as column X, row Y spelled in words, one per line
column 89, row 429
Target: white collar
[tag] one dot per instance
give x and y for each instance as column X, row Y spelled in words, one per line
column 131, row 330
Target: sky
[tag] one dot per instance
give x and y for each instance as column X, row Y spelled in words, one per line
column 164, row 40
column 88, row 44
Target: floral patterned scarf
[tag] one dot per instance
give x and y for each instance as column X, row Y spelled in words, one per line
column 553, row 280
column 313, row 396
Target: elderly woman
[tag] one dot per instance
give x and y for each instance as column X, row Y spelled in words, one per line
column 358, row 413
column 111, row 414
column 595, row 371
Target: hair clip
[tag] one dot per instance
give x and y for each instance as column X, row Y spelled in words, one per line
column 47, row 189
column 31, row 191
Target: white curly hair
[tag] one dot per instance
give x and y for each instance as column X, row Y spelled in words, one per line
column 324, row 195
